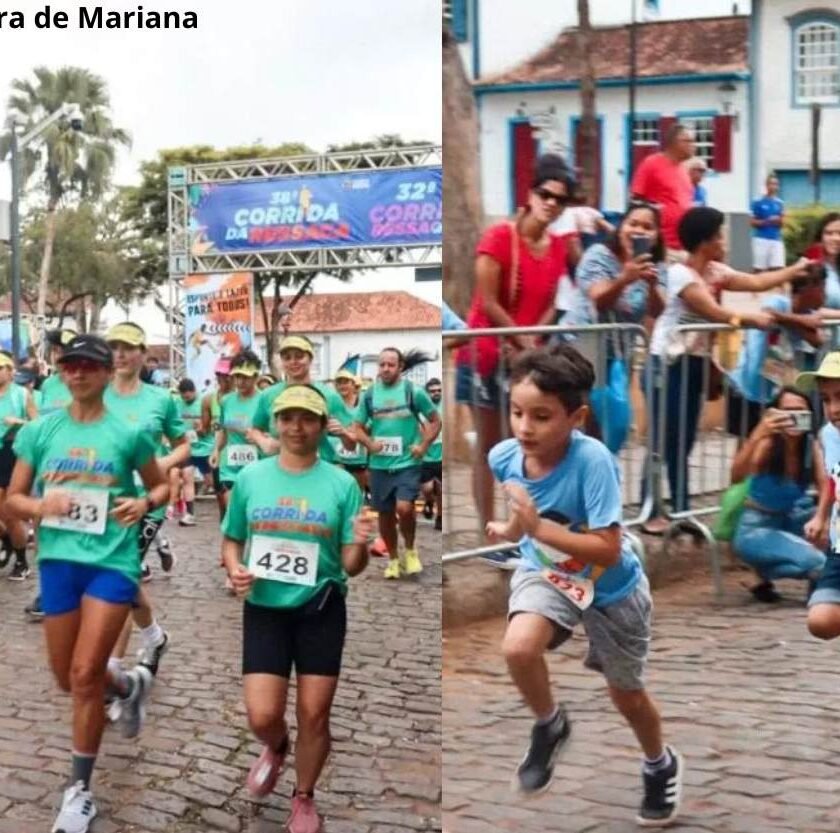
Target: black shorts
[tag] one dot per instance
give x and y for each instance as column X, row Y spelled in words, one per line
column 431, row 471
column 354, row 467
column 147, row 531
column 217, row 484
column 7, row 463
column 200, row 463
column 310, row 638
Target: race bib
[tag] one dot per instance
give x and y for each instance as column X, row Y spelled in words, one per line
column 579, row 591
column 241, row 455
column 88, row 511
column 349, row 453
column 280, row 559
column 391, row 446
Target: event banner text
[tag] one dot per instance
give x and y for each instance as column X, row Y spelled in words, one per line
column 99, row 17
column 318, row 211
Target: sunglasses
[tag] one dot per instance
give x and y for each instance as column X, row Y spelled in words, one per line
column 547, row 196
column 82, row 365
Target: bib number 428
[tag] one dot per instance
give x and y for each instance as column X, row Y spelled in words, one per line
column 284, row 560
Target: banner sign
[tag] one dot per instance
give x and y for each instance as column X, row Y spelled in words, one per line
column 319, row 211
column 218, row 321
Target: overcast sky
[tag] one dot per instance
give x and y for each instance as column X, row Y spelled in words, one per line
column 270, row 71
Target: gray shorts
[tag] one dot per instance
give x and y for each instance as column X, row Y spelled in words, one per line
column 389, row 487
column 619, row 635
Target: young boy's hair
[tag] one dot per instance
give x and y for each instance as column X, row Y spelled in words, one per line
column 559, row 371
column 698, row 226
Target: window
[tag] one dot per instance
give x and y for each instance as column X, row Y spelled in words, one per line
column 703, row 128
column 418, row 374
column 646, row 131
column 816, row 63
column 317, row 364
column 455, row 16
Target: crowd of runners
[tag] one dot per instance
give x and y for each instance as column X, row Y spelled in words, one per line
column 310, row 479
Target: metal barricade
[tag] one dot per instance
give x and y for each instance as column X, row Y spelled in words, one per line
column 601, row 344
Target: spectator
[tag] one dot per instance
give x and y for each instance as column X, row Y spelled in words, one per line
column 587, row 221
column 155, row 374
column 519, row 265
column 697, row 169
column 827, row 249
column 663, row 180
column 767, row 218
column 771, row 533
column 694, row 291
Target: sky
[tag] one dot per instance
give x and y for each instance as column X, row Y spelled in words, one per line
column 270, row 71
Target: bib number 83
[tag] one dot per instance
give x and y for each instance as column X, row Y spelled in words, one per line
column 87, row 513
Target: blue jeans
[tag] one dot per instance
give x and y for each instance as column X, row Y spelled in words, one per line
column 685, row 379
column 774, row 546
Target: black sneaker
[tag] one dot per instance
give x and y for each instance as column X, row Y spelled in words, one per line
column 20, row 572
column 765, row 592
column 33, row 610
column 662, row 793
column 428, row 510
column 164, row 551
column 535, row 772
column 150, row 655
column 145, row 573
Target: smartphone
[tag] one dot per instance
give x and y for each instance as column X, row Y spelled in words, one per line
column 641, row 245
column 801, row 421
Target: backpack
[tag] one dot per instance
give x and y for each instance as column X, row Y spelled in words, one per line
column 367, row 401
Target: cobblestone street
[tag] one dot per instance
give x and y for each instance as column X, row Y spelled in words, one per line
column 186, row 771
column 747, row 695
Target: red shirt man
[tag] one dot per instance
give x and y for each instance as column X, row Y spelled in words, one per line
column 662, row 179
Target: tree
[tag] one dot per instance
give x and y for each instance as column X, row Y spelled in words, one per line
column 68, row 162
column 462, row 211
column 587, row 143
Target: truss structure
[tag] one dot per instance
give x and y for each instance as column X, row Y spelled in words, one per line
column 183, row 262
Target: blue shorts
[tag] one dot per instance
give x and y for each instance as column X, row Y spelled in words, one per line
column 481, row 391
column 63, row 583
column 827, row 588
column 388, row 487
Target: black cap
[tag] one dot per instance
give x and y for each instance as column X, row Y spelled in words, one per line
column 58, row 338
column 88, row 347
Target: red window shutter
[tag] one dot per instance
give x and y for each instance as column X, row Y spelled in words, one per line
column 722, row 151
column 664, row 126
column 641, row 152
column 524, row 161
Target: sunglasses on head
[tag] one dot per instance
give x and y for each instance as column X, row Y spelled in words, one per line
column 546, row 196
column 83, row 365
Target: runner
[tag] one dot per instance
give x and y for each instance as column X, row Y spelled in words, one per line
column 565, row 501
column 233, row 447
column 265, row 381
column 16, row 408
column 139, row 404
column 293, row 533
column 201, row 445
column 388, row 419
column 431, row 476
column 211, row 411
column 296, row 354
column 85, row 458
column 354, row 460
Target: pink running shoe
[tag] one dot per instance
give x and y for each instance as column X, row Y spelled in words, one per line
column 266, row 770
column 304, row 817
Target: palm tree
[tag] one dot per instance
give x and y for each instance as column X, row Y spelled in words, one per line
column 587, row 145
column 67, row 162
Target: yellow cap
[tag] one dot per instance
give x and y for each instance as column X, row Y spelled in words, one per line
column 126, row 333
column 346, row 374
column 6, row 361
column 300, row 396
column 828, row 369
column 297, row 343
column 245, row 370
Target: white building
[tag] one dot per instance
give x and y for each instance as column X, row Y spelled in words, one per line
column 349, row 323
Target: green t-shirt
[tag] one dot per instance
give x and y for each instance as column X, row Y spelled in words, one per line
column 312, row 511
column 12, row 403
column 201, row 445
column 38, row 399
column 392, row 422
column 54, row 395
column 98, row 457
column 336, row 409
column 435, row 452
column 237, row 416
column 154, row 412
column 357, row 456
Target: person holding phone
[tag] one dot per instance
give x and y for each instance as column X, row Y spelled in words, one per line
column 773, row 534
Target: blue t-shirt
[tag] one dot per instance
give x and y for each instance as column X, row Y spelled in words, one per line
column 582, row 491
column 778, row 494
column 449, row 319
column 830, row 441
column 701, row 196
column 764, row 209
column 747, row 376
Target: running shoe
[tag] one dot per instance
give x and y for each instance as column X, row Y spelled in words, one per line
column 145, row 573
column 133, row 707
column 393, row 568
column 766, row 592
column 378, row 549
column 187, row 520
column 411, row 563
column 33, row 610
column 167, row 558
column 509, row 560
column 304, row 817
column 535, row 772
column 150, row 655
column 266, row 770
column 77, row 810
column 428, row 510
column 20, row 572
column 663, row 790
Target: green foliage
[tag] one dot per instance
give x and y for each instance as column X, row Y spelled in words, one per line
column 800, row 228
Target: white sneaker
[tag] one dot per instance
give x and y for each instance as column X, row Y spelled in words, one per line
column 77, row 810
column 187, row 520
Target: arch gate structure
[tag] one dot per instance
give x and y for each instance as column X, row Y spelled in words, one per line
column 305, row 214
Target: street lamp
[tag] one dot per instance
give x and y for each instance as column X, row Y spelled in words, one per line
column 73, row 114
